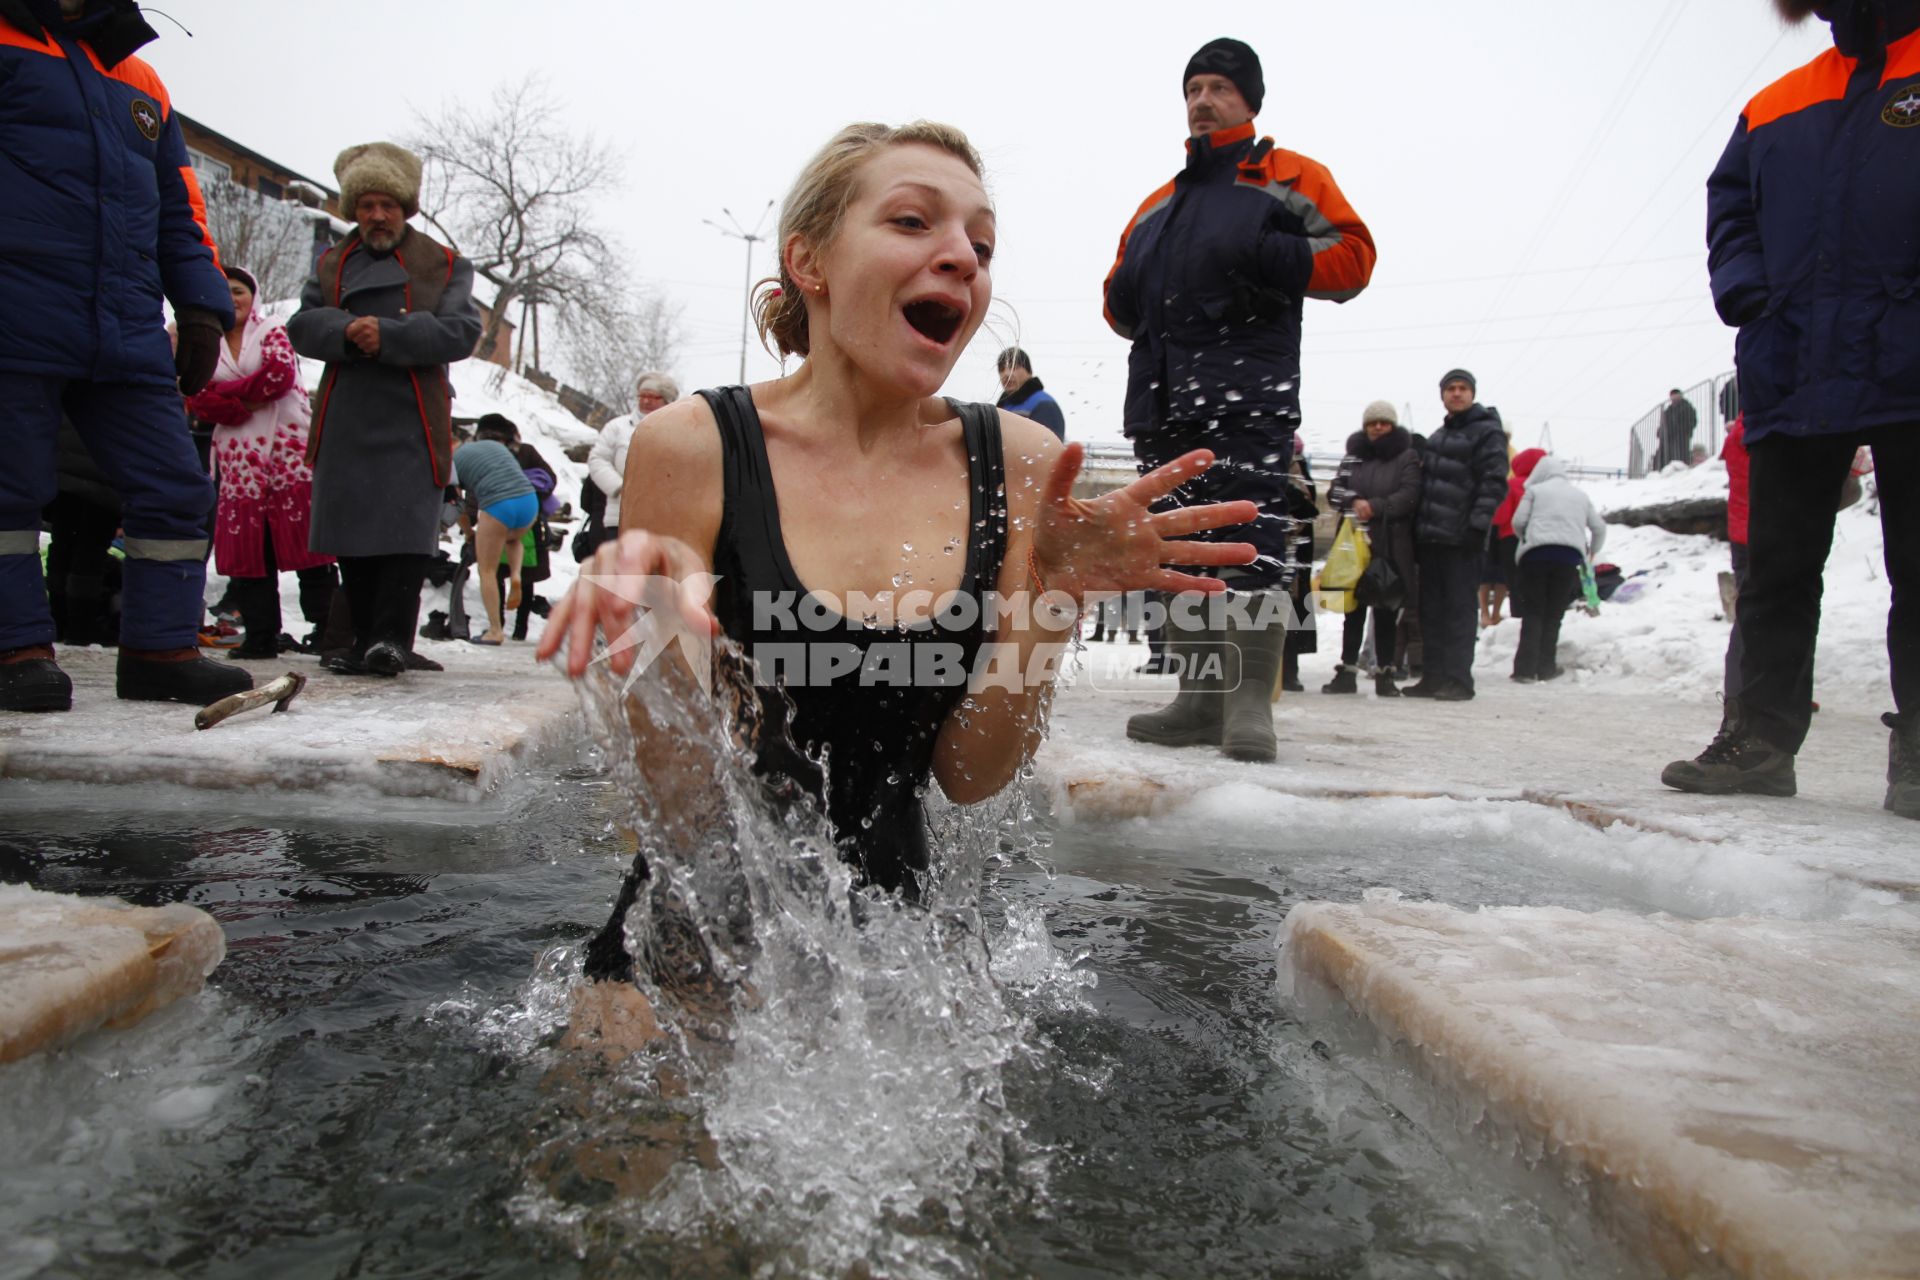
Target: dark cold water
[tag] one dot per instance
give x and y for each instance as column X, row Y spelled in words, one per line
column 373, row 1084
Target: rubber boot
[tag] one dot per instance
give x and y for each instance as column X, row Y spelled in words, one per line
column 1255, row 655
column 1193, row 717
column 259, row 601
column 30, row 680
column 176, row 675
column 1736, row 761
column 1903, row 765
column 1344, row 681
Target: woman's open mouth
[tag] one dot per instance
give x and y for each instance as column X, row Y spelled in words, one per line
column 934, row 320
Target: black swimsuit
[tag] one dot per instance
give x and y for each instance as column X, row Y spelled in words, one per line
column 866, row 701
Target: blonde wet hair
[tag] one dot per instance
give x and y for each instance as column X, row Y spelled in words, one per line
column 817, row 205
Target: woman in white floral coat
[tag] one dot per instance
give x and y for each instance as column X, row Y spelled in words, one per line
column 260, row 415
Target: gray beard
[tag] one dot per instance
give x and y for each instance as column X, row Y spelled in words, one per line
column 381, row 241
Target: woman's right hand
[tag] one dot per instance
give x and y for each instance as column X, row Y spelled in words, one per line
column 638, row 569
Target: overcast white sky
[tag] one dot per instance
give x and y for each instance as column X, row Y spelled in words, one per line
column 1532, row 170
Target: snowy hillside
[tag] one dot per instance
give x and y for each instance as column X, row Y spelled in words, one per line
column 1667, row 635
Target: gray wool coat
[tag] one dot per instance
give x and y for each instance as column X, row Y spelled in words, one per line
column 376, row 485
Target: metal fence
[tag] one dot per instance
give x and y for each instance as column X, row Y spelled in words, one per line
column 1685, row 432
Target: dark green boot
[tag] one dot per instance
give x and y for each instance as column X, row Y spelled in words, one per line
column 1254, row 656
column 1903, row 764
column 1193, row 718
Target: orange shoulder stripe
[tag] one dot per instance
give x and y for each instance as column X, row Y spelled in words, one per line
column 1160, row 196
column 11, row 37
column 1822, row 80
column 144, row 78
column 1903, row 59
column 198, row 203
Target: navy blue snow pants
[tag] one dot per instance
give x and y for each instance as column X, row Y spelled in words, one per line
column 1252, row 456
column 138, row 437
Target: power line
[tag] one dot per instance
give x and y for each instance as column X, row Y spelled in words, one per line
column 1686, row 153
column 1656, row 40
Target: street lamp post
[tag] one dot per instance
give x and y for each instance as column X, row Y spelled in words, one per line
column 738, row 232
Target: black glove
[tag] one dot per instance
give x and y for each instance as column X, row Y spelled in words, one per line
column 1742, row 306
column 196, row 348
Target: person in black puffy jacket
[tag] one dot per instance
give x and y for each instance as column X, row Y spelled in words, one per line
column 1465, row 479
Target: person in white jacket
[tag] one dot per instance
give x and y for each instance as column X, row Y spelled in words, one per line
column 607, row 464
column 1559, row 529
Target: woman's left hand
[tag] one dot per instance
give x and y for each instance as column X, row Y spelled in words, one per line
column 1116, row 542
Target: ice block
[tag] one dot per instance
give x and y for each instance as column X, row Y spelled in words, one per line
column 1747, row 1089
column 71, row 964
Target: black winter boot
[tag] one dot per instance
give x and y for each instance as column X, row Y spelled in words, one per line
column 1344, row 681
column 1735, row 761
column 1255, row 656
column 259, row 601
column 1193, row 717
column 30, row 680
column 385, row 658
column 1903, row 764
column 176, row 675
column 1384, row 687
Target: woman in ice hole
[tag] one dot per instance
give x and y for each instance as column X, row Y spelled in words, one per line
column 852, row 475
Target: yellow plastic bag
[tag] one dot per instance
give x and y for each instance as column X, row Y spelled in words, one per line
column 1347, row 560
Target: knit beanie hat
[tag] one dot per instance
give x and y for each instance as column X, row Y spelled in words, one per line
column 1379, row 411
column 378, row 166
column 1459, row 375
column 1234, row 60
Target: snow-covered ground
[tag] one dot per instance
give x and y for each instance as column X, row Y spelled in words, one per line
column 1669, row 636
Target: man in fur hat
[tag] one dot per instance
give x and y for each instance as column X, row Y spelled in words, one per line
column 1209, row 286
column 1823, row 279
column 388, row 309
column 107, row 224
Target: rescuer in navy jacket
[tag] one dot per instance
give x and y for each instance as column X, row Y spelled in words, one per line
column 101, row 222
column 1209, row 284
column 1813, row 233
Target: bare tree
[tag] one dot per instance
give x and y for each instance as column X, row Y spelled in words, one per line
column 610, row 340
column 272, row 239
column 510, row 188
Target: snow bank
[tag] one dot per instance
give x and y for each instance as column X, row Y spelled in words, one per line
column 1668, row 634
column 1746, row 1084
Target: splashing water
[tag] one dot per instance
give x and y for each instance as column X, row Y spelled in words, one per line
column 830, row 1083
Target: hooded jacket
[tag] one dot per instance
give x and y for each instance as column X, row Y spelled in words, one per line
column 101, row 220
column 1553, row 513
column 1211, row 274
column 1523, row 464
column 1466, row 478
column 1813, row 233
